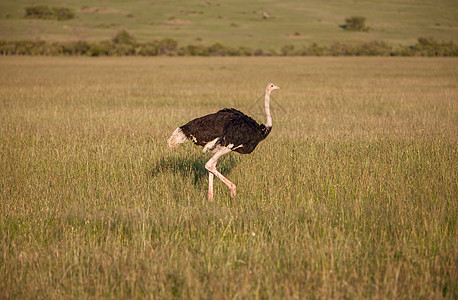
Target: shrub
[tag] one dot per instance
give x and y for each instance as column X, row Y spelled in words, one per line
column 167, row 47
column 24, row 47
column 233, row 51
column 100, row 49
column 244, row 51
column 123, row 37
column 287, row 50
column 373, row 48
column 46, row 13
column 38, row 12
column 355, row 23
column 259, row 52
column 403, row 51
column 63, row 13
column 431, row 47
column 315, row 50
column 217, row 49
column 81, row 47
column 338, row 49
column 195, row 50
column 123, row 50
column 148, row 49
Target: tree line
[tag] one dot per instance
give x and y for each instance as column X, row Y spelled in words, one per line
column 124, row 44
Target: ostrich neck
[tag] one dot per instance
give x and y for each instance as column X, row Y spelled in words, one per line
column 267, row 107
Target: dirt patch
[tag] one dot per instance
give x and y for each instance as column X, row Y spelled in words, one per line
column 102, row 10
column 297, row 35
column 176, row 22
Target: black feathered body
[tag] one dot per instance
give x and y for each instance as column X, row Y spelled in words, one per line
column 231, row 127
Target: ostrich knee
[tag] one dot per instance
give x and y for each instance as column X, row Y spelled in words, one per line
column 210, row 167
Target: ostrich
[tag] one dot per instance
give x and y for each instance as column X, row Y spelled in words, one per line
column 222, row 132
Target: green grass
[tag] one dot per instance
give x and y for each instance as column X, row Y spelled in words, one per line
column 238, row 23
column 353, row 194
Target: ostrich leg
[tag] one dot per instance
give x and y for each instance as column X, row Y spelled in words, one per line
column 211, row 167
column 210, row 186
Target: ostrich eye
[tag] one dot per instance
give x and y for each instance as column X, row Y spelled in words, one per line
column 271, row 85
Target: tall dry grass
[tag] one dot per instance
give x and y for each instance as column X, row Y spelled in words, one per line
column 353, row 195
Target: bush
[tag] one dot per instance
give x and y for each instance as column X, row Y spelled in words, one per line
column 63, row 13
column 260, row 52
column 194, row 50
column 338, row 49
column 81, row 47
column 403, row 51
column 24, row 47
column 355, row 23
column 315, row 50
column 38, row 12
column 167, row 47
column 217, row 49
column 244, row 51
column 123, row 37
column 100, row 49
column 123, row 50
column 288, row 50
column 148, row 49
column 431, row 47
column 373, row 48
column 46, row 13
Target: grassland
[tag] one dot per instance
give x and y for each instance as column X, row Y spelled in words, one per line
column 353, row 195
column 237, row 23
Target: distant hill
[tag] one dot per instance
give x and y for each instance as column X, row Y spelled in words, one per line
column 268, row 24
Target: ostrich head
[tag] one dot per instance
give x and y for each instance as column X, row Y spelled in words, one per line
column 271, row 87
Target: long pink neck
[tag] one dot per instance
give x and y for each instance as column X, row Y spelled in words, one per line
column 267, row 107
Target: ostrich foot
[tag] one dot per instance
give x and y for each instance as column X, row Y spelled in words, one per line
column 210, row 197
column 233, row 193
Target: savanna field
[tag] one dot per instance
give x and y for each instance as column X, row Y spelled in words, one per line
column 353, row 194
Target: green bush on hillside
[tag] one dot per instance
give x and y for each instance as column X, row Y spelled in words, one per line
column 123, row 37
column 355, row 23
column 46, row 13
column 102, row 48
column 194, row 50
column 314, row 50
column 431, row 47
column 218, row 49
column 288, row 50
column 167, row 47
column 63, row 13
column 38, row 12
column 374, row 48
column 428, row 47
column 147, row 49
